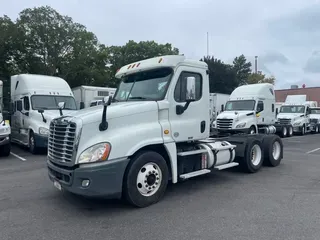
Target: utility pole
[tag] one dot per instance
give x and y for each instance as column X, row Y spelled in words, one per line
column 256, row 64
column 207, row 44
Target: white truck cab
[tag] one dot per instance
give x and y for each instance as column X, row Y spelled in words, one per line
column 35, row 101
column 296, row 112
column 315, row 119
column 249, row 109
column 156, row 129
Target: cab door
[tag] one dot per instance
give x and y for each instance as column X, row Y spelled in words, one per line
column 192, row 123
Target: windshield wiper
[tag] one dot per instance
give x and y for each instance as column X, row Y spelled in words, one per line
column 142, row 98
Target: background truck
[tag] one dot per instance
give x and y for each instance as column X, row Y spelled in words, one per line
column 295, row 112
column 217, row 104
column 5, row 130
column 35, row 101
column 89, row 96
column 155, row 130
column 315, row 119
column 250, row 109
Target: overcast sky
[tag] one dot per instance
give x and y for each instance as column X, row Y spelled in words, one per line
column 285, row 34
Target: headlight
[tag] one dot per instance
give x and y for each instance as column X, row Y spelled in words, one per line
column 296, row 123
column 5, row 130
column 43, row 131
column 95, row 153
column 241, row 125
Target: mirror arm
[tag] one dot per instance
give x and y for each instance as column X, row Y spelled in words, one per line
column 180, row 109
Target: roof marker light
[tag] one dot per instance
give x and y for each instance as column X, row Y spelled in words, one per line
column 129, row 66
column 133, row 65
column 138, row 64
column 160, row 60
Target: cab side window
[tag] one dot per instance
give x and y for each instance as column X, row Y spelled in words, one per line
column 19, row 105
column 260, row 106
column 26, row 103
column 181, row 87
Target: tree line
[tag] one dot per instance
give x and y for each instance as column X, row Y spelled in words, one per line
column 42, row 41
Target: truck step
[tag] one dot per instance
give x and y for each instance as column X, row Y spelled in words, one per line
column 194, row 174
column 193, row 152
column 225, row 166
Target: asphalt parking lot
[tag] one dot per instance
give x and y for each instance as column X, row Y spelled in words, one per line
column 275, row 203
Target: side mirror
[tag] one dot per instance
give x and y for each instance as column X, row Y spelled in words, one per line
column 61, row 105
column 81, row 105
column 41, row 111
column 191, row 89
column 107, row 100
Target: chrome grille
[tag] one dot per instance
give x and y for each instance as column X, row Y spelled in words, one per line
column 314, row 120
column 224, row 123
column 285, row 121
column 61, row 140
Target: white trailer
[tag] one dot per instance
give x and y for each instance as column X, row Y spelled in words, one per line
column 5, row 129
column 89, row 96
column 155, row 130
column 35, row 99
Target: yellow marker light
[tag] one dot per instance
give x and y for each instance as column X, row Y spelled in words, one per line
column 160, row 60
column 166, row 131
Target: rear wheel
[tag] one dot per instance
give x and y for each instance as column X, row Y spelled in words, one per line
column 5, row 150
column 253, row 156
column 290, row 131
column 284, row 131
column 146, row 179
column 272, row 150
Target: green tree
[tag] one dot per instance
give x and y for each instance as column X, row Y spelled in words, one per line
column 222, row 77
column 260, row 78
column 242, row 69
column 55, row 45
column 118, row 56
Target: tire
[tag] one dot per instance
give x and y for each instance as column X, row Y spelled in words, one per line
column 272, row 150
column 316, row 129
column 249, row 164
column 134, row 190
column 290, row 131
column 5, row 150
column 32, row 143
column 303, row 130
column 252, row 130
column 284, row 132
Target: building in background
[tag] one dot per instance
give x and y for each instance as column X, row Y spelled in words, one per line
column 313, row 93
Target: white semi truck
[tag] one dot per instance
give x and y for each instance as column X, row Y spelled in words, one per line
column 295, row 112
column 155, row 130
column 5, row 129
column 217, row 104
column 35, row 100
column 90, row 96
column 250, row 109
column 315, row 119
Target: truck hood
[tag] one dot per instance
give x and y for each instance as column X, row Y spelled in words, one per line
column 314, row 116
column 234, row 114
column 291, row 116
column 51, row 114
column 115, row 110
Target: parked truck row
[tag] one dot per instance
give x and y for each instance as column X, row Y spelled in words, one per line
column 155, row 130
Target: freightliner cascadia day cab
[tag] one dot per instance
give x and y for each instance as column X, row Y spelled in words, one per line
column 250, row 109
column 156, row 129
column 295, row 112
column 5, row 129
column 315, row 119
column 35, row 101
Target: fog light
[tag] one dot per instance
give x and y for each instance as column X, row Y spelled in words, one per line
column 85, row 183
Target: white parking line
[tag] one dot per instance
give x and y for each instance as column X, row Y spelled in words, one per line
column 314, row 150
column 17, row 156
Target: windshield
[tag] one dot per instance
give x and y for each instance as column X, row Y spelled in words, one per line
column 49, row 102
column 240, row 105
column 146, row 85
column 292, row 109
column 315, row 111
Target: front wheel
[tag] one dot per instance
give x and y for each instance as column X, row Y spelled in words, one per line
column 146, row 179
column 252, row 130
column 5, row 150
column 32, row 144
column 303, row 130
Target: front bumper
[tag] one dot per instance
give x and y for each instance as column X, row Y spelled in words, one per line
column 4, row 140
column 41, row 141
column 105, row 178
column 232, row 131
